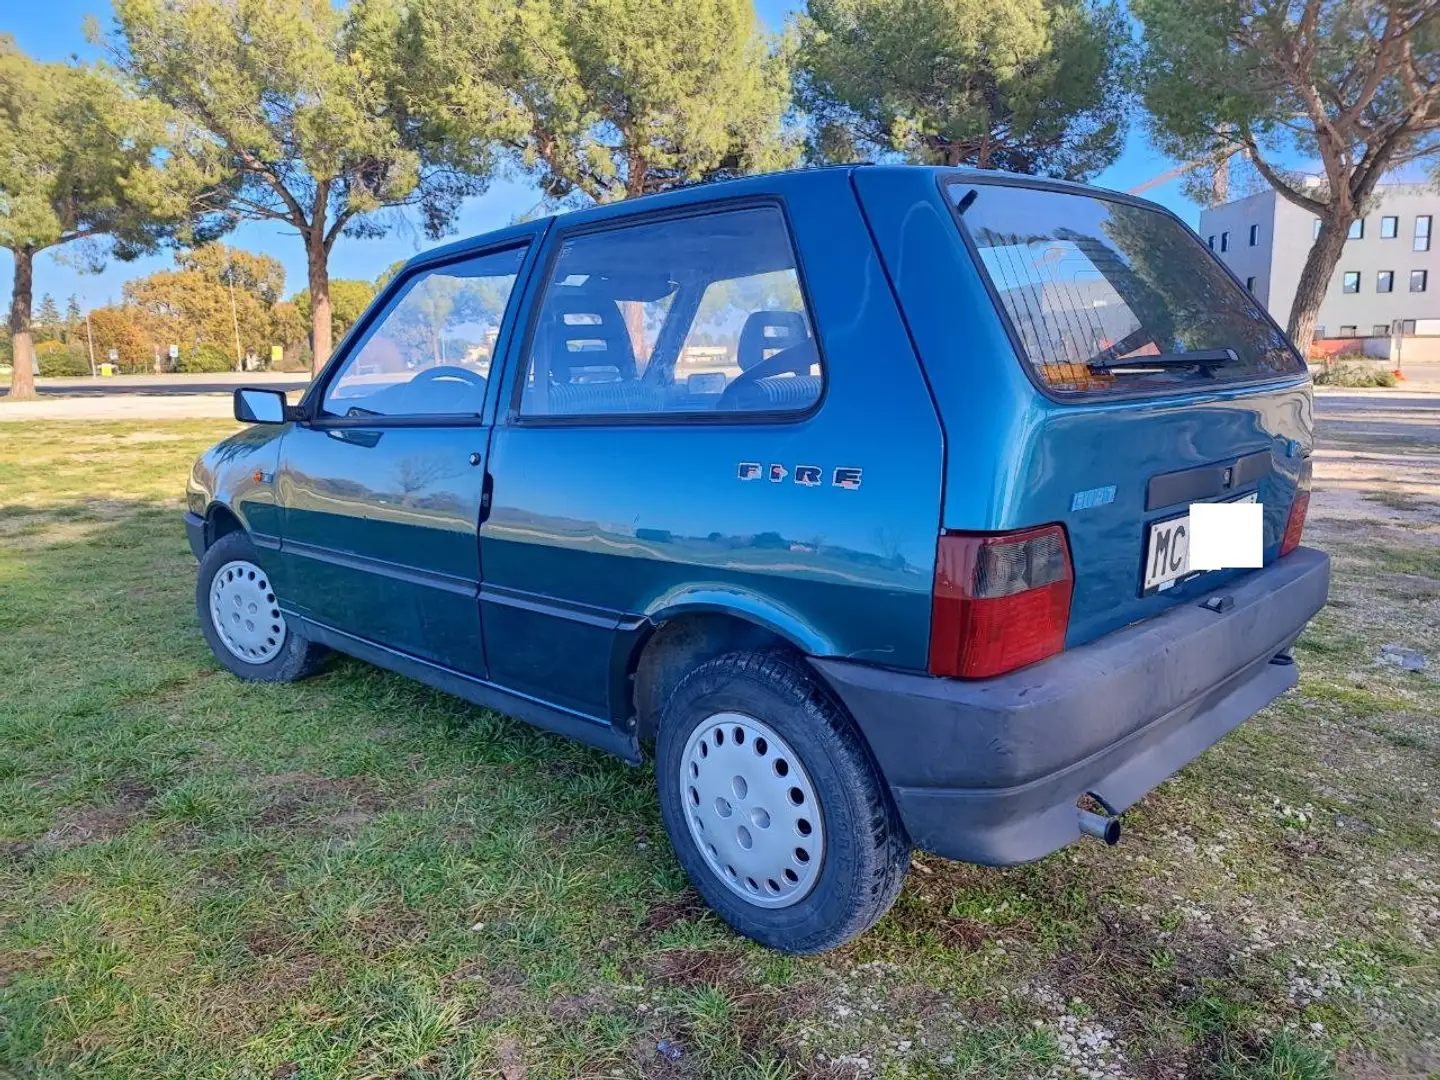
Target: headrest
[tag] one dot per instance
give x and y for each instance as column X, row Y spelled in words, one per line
column 586, row 331
column 768, row 332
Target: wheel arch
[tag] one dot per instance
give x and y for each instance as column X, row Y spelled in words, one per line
column 220, row 521
column 680, row 637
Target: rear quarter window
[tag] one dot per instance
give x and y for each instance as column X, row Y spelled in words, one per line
column 1094, row 286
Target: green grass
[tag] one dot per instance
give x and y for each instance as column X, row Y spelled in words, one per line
column 359, row 877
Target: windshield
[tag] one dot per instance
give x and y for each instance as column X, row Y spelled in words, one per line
column 1094, row 285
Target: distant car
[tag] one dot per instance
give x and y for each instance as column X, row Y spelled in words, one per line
column 906, row 566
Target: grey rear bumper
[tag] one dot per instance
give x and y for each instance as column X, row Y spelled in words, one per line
column 990, row 771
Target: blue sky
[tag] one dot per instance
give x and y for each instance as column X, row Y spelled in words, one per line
column 51, row 30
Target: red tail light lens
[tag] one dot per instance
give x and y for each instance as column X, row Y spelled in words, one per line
column 1299, row 507
column 1000, row 601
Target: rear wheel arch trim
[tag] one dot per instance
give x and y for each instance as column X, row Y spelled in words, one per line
column 645, row 679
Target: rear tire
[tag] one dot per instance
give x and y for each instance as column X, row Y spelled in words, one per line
column 800, row 864
column 241, row 620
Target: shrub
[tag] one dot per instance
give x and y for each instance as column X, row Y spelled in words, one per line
column 205, row 359
column 1355, row 375
column 56, row 358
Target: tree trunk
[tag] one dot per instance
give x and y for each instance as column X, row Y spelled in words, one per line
column 22, row 382
column 318, row 265
column 1315, row 279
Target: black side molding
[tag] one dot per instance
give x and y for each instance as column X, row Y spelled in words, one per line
column 1206, row 481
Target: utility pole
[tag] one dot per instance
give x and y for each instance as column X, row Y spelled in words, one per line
column 90, row 338
column 234, row 318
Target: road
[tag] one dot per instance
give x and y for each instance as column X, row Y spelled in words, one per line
column 143, row 397
column 1346, row 417
column 1408, row 412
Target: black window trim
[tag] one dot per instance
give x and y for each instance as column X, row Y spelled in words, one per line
column 1022, row 356
column 513, row 415
column 1390, row 217
column 528, row 241
column 1345, row 277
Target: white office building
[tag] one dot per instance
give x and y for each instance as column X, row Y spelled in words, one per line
column 1387, row 280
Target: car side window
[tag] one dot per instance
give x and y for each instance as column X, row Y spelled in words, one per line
column 696, row 314
column 430, row 353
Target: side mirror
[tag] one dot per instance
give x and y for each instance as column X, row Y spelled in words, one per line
column 258, row 406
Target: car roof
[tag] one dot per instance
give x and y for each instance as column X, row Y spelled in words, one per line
column 741, row 186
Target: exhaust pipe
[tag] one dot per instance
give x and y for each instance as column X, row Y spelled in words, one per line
column 1100, row 827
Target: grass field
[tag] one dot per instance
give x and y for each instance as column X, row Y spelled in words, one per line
column 358, row 877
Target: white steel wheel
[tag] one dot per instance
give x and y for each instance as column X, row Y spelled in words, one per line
column 244, row 613
column 752, row 810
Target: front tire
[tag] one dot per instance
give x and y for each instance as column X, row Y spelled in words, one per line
column 241, row 619
column 774, row 806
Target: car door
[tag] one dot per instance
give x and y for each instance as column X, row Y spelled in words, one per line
column 382, row 487
column 662, row 445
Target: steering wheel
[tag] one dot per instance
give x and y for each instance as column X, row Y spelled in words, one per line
column 442, row 388
column 447, row 371
column 795, row 360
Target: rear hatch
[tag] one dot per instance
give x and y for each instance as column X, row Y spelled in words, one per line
column 1152, row 380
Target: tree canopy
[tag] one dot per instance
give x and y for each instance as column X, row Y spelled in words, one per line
column 348, row 300
column 1354, row 85
column 194, row 305
column 1033, row 86
column 82, row 158
column 606, row 98
column 303, row 113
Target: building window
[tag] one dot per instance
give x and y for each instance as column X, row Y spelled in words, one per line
column 1315, row 232
column 1210, row 242
column 1422, row 233
column 1352, row 281
column 1357, row 230
column 1385, row 281
column 1380, row 329
column 1250, row 283
column 1407, row 326
column 1347, row 331
column 1224, row 241
column 1254, row 235
column 1418, row 280
column 1389, row 227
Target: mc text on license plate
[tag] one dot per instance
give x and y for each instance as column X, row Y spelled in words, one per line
column 1167, row 552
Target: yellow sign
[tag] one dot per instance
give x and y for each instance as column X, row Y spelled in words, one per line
column 277, row 353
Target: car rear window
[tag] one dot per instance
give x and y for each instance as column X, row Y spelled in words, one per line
column 1095, row 286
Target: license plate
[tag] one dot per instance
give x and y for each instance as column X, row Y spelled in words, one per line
column 1167, row 552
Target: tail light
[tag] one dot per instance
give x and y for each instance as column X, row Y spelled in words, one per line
column 1299, row 507
column 1001, row 601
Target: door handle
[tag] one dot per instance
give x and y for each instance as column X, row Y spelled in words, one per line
column 487, row 488
column 357, row 436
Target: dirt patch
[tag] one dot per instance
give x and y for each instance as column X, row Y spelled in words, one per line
column 85, row 825
column 684, row 906
column 14, row 851
column 699, row 967
column 505, row 992
column 1406, row 1063
column 340, row 803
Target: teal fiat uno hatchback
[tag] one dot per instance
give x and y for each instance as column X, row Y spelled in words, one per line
column 861, row 495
